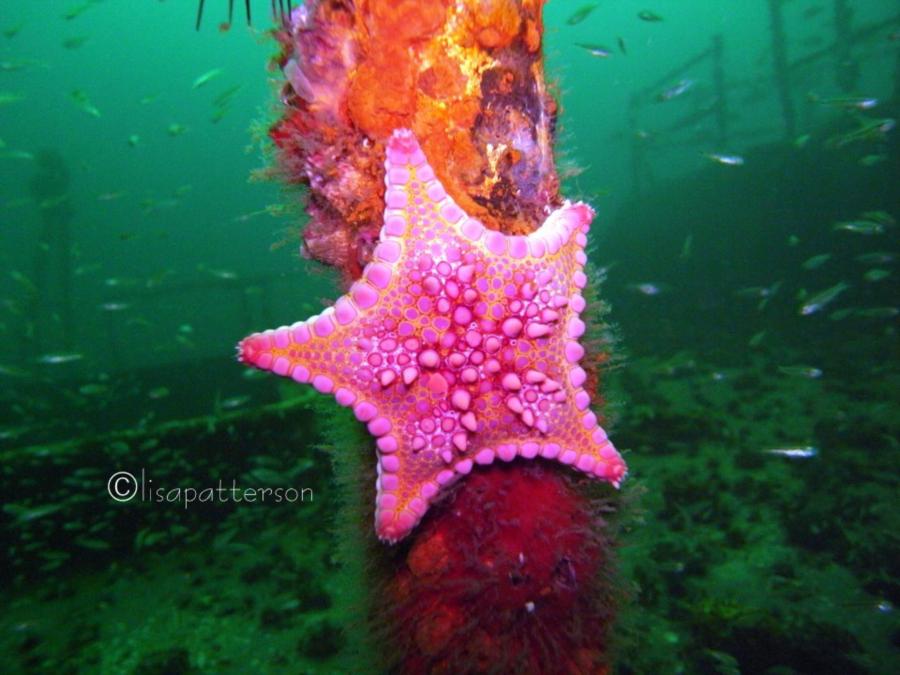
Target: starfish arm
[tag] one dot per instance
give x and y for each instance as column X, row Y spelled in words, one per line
column 458, row 346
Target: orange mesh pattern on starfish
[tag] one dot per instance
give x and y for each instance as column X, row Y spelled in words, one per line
column 458, row 346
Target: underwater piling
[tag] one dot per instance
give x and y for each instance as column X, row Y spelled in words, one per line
column 846, row 67
column 895, row 95
column 638, row 143
column 781, row 69
column 51, row 299
column 721, row 107
column 509, row 570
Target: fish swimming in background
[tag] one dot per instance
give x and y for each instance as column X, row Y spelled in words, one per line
column 759, row 291
column 727, row 160
column 756, row 339
column 645, row 288
column 7, row 97
column 876, row 274
column 648, row 16
column 9, row 66
column 75, row 42
column 808, row 372
column 84, row 103
column 820, row 300
column 882, row 217
column 77, row 10
column 872, row 160
column 846, row 102
column 869, row 130
column 114, row 306
column 805, row 452
column 596, row 50
column 867, row 227
column 12, row 31
column 206, row 77
column 875, row 258
column 59, row 358
column 225, row 97
column 581, row 14
column 679, row 89
column 816, row 261
column 622, row 47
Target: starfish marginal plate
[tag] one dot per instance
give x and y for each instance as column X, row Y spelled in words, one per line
column 458, row 346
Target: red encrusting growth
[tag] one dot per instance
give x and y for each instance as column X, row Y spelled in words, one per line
column 505, row 579
column 465, row 77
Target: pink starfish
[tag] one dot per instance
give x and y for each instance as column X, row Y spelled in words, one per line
column 457, row 347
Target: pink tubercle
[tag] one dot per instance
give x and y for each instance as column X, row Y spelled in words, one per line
column 323, row 326
column 401, row 144
column 518, row 247
column 495, row 242
column 344, row 311
column 323, row 384
column 472, row 229
column 388, row 251
column 363, row 295
column 364, row 411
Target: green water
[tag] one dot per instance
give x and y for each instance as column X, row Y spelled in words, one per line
column 135, row 252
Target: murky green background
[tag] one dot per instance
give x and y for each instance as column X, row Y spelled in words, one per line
column 746, row 231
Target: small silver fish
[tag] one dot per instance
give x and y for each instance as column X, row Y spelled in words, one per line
column 648, row 16
column 816, row 261
column 876, row 274
column 804, row 452
column 645, row 288
column 860, row 227
column 10, row 97
column 56, row 359
column 875, row 258
column 599, row 51
column 849, row 103
column 728, row 160
column 581, row 14
column 682, row 87
column 206, row 77
column 882, row 217
column 820, row 300
column 801, row 371
column 759, row 291
column 841, row 314
column 234, row 402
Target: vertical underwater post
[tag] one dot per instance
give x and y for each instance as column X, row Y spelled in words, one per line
column 781, row 69
column 424, row 130
column 718, row 60
column 895, row 95
column 52, row 304
column 846, row 68
column 637, row 144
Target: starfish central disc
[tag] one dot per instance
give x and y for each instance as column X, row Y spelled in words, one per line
column 459, row 346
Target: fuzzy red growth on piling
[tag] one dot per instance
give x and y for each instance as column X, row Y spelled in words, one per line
column 507, row 576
